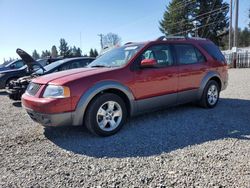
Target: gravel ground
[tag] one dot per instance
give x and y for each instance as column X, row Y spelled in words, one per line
column 184, row 146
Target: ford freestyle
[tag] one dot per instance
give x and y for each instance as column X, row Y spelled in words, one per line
column 129, row 80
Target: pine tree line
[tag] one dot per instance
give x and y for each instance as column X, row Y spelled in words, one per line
column 64, row 50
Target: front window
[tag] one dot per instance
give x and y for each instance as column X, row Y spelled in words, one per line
column 117, row 57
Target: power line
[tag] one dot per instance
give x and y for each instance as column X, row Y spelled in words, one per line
column 221, row 9
column 194, row 19
column 196, row 28
column 209, row 18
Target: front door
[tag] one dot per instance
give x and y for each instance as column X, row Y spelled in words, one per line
column 157, row 85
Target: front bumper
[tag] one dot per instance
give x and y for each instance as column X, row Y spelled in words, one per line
column 61, row 119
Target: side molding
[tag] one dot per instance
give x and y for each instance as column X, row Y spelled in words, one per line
column 204, row 81
column 78, row 115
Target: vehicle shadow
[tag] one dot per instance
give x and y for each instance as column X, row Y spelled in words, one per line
column 158, row 132
column 17, row 104
column 3, row 93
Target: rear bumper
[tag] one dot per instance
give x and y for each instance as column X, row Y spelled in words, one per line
column 224, row 83
column 61, row 119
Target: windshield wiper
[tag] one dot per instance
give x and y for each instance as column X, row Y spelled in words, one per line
column 98, row 66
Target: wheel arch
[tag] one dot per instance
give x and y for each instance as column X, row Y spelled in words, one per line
column 102, row 87
column 209, row 76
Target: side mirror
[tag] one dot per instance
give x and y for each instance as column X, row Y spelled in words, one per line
column 12, row 66
column 148, row 63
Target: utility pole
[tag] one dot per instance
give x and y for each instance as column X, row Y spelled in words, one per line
column 101, row 40
column 81, row 40
column 230, row 25
column 236, row 23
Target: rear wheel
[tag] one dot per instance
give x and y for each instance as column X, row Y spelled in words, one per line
column 106, row 114
column 210, row 95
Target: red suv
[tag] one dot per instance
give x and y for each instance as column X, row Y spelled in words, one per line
column 129, row 80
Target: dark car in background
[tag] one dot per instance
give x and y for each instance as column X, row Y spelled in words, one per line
column 16, row 88
column 30, row 66
column 48, row 60
column 12, row 65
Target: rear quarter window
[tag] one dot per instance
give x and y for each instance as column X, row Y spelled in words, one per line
column 213, row 51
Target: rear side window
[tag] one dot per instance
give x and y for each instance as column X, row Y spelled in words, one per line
column 64, row 67
column 213, row 51
column 188, row 54
column 18, row 64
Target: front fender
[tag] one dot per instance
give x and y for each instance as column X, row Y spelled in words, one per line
column 93, row 91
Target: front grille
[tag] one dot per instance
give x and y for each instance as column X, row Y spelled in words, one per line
column 33, row 88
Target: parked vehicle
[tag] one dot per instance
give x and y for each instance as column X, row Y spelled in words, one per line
column 48, row 60
column 129, row 80
column 17, row 87
column 30, row 65
column 12, row 65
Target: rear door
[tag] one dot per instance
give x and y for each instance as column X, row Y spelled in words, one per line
column 192, row 68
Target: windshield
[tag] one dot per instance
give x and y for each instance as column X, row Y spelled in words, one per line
column 50, row 66
column 116, row 57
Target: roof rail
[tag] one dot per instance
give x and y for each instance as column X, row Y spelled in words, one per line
column 172, row 37
column 197, row 38
column 128, row 43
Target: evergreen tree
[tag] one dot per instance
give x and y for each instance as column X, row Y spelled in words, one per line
column 54, row 52
column 176, row 18
column 196, row 18
column 64, row 48
column 95, row 53
column 244, row 37
column 215, row 24
column 45, row 54
column 76, row 52
column 91, row 53
column 35, row 55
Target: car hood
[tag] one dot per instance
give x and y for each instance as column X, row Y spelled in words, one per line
column 4, row 68
column 27, row 59
column 60, row 78
column 11, row 70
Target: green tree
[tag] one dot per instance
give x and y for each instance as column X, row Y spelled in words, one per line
column 196, row 18
column 213, row 22
column 54, row 52
column 35, row 55
column 45, row 54
column 176, row 18
column 91, row 53
column 76, row 52
column 95, row 53
column 244, row 37
column 64, row 48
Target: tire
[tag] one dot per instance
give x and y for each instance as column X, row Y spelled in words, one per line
column 105, row 114
column 211, row 94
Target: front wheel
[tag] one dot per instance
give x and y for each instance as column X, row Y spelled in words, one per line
column 106, row 114
column 210, row 95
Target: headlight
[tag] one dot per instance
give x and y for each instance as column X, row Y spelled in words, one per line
column 53, row 91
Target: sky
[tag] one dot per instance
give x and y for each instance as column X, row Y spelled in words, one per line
column 39, row 24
